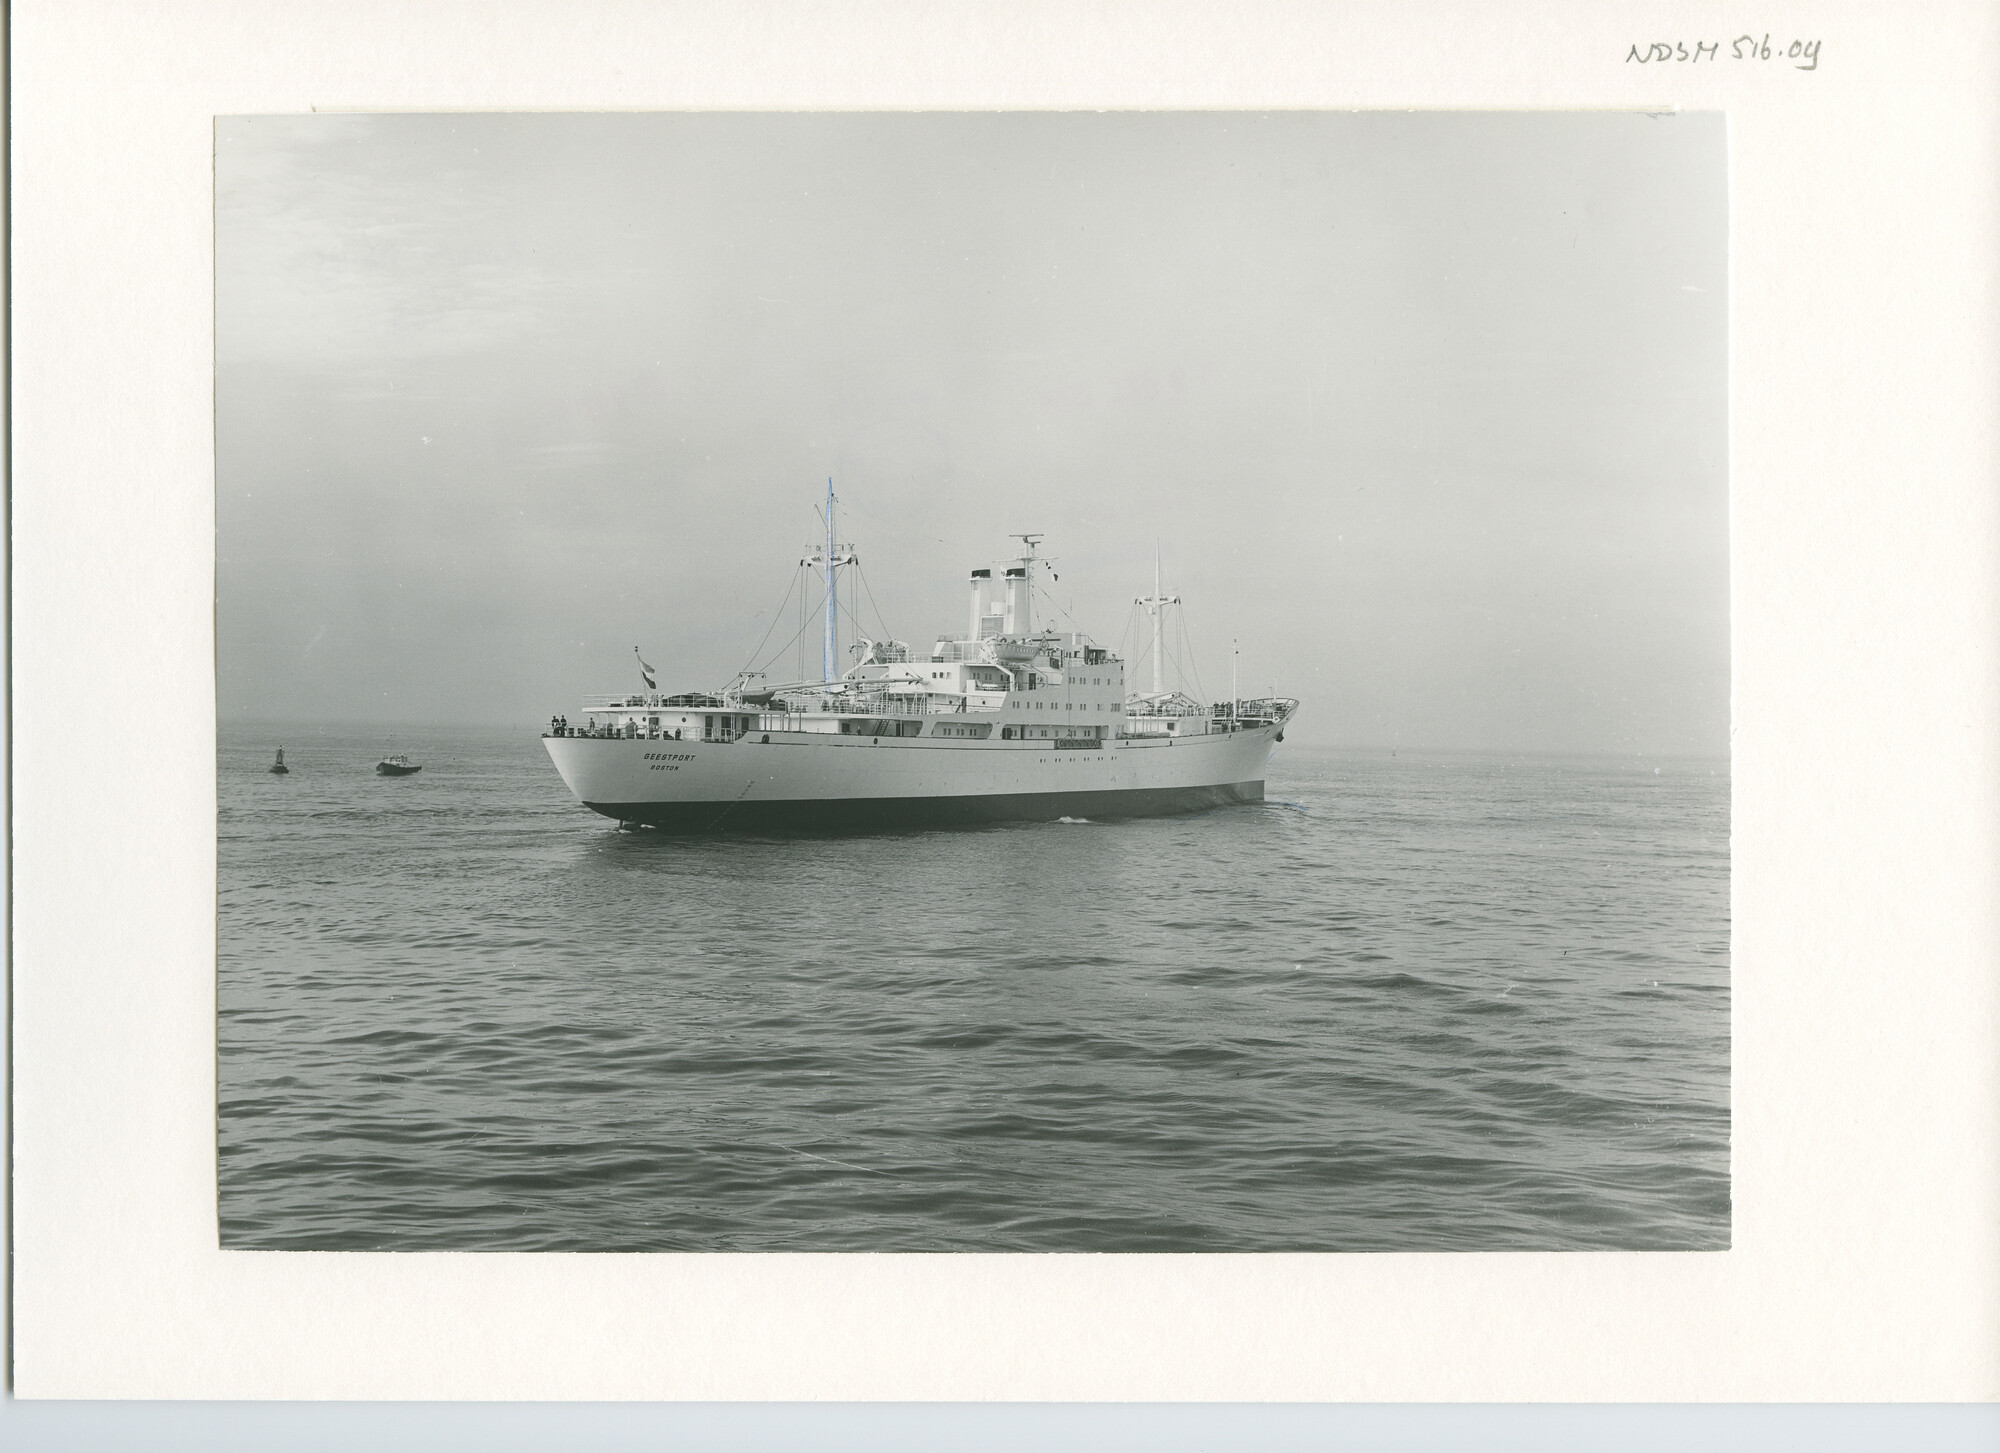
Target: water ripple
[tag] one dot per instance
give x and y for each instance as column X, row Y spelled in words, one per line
column 1407, row 1003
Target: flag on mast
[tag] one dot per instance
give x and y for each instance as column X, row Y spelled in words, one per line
column 646, row 671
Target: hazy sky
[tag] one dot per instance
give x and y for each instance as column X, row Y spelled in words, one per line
column 1427, row 411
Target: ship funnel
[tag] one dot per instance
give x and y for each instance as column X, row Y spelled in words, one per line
column 979, row 579
column 1018, row 623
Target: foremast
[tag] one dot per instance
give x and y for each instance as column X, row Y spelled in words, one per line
column 827, row 559
column 1156, row 606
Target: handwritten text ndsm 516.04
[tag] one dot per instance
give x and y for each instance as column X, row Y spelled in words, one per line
column 1803, row 54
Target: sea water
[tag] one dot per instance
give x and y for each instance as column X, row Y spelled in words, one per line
column 1410, row 1002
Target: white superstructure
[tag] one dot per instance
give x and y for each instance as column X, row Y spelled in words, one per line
column 1004, row 722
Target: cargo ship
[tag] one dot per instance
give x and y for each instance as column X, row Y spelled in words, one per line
column 1006, row 722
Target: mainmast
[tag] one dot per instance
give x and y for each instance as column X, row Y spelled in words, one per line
column 1021, row 590
column 1156, row 605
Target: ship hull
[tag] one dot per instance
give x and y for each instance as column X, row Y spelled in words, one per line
column 795, row 782
column 890, row 814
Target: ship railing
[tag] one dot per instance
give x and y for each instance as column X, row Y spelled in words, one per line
column 881, row 703
column 801, row 706
column 601, row 731
column 899, row 703
column 1175, row 705
column 1257, row 711
column 652, row 701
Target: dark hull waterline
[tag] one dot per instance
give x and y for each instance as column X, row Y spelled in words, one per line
column 864, row 814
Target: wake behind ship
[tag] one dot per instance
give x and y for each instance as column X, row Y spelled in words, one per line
column 1003, row 723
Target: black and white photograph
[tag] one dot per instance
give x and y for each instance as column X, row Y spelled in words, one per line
column 973, row 681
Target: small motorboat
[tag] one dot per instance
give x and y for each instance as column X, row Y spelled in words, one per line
column 397, row 766
column 278, row 768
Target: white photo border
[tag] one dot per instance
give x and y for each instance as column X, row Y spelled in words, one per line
column 1865, row 365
